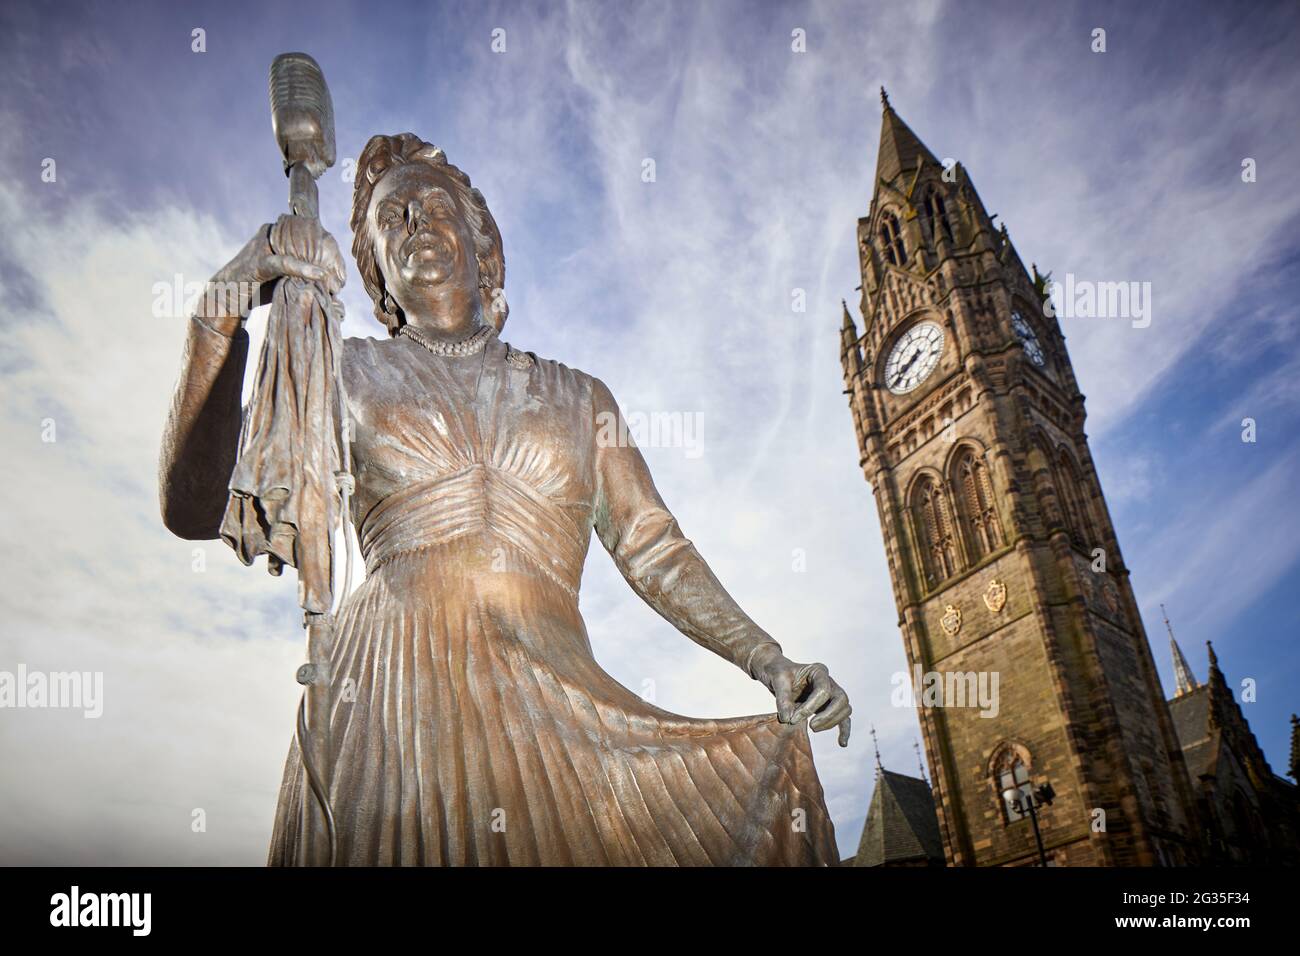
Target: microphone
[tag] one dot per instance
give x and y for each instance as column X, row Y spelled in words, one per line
column 302, row 117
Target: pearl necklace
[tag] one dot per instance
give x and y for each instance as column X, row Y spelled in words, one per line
column 470, row 345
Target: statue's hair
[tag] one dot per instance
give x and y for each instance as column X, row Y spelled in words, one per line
column 381, row 154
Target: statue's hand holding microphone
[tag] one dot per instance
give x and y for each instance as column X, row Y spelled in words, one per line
column 294, row 246
column 302, row 117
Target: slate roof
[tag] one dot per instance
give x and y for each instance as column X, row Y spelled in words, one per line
column 901, row 824
column 1191, row 715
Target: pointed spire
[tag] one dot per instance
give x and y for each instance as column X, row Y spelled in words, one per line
column 876, row 744
column 1184, row 679
column 899, row 147
column 1042, row 283
column 850, row 354
column 902, row 828
column 916, row 745
column 1221, row 698
column 1295, row 749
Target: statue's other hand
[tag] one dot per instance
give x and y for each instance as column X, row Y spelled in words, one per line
column 291, row 246
column 806, row 690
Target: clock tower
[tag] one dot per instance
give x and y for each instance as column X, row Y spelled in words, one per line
column 1029, row 662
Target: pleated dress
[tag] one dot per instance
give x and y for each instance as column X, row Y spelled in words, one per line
column 470, row 723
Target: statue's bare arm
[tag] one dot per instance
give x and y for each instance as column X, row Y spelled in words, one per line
column 667, row 572
column 201, row 438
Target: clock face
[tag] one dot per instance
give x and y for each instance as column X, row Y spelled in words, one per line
column 1025, row 332
column 914, row 357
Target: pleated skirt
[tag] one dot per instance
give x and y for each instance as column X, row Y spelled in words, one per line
column 471, row 726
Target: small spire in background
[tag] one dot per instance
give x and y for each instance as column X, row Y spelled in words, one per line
column 916, row 745
column 1295, row 748
column 876, row 744
column 1184, row 679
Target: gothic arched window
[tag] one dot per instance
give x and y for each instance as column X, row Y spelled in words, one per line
column 974, row 491
column 891, row 240
column 1074, row 501
column 933, row 524
column 1011, row 779
column 937, row 213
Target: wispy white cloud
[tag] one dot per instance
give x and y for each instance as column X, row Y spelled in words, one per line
column 1226, row 549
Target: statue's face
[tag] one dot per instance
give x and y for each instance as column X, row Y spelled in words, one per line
column 422, row 240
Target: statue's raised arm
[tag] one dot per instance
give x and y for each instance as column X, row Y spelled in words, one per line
column 201, row 437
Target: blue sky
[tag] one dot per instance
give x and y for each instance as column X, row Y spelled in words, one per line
column 1122, row 165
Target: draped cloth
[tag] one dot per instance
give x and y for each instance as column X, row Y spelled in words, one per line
column 470, row 721
column 283, row 501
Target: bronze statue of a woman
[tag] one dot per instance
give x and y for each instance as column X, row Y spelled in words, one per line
column 479, row 729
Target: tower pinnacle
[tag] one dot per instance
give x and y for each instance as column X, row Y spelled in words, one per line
column 1184, row 679
column 1295, row 748
column 900, row 149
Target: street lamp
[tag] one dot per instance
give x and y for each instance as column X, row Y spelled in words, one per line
column 1028, row 803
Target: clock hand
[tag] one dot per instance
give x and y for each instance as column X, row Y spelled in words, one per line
column 901, row 375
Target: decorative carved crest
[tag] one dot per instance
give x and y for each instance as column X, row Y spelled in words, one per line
column 951, row 620
column 995, row 597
